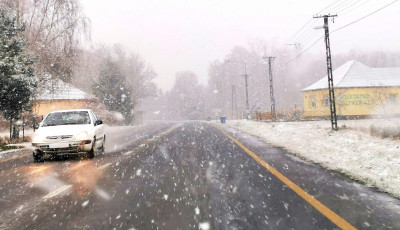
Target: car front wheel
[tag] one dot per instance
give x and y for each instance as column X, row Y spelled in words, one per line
column 90, row 154
column 103, row 147
column 38, row 157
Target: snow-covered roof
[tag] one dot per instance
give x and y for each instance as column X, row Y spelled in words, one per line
column 353, row 74
column 59, row 90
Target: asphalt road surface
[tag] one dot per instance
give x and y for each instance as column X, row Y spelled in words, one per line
column 190, row 175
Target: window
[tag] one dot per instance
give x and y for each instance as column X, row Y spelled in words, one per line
column 95, row 118
column 393, row 98
column 326, row 101
column 313, row 104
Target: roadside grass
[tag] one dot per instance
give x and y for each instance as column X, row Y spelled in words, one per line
column 8, row 144
column 10, row 147
column 392, row 132
column 385, row 132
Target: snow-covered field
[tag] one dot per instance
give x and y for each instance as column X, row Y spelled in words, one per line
column 352, row 150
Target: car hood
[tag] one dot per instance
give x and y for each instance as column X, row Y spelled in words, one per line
column 62, row 130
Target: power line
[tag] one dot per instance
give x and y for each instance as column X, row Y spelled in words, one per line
column 338, row 5
column 351, row 23
column 348, row 11
column 343, row 6
column 351, row 5
column 333, row 3
column 309, row 38
column 301, row 53
column 295, row 34
column 298, row 34
column 304, row 34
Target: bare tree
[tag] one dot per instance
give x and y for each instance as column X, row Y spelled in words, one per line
column 380, row 98
column 138, row 75
column 186, row 99
column 54, row 32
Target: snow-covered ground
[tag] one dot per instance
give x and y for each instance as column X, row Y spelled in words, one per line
column 352, row 150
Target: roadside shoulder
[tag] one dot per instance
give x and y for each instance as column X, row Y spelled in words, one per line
column 8, row 154
column 371, row 160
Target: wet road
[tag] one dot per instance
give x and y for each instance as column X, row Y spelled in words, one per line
column 186, row 176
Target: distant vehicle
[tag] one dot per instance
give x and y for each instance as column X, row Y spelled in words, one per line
column 208, row 118
column 68, row 132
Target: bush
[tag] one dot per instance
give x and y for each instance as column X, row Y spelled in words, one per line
column 6, row 140
column 2, row 141
column 385, row 132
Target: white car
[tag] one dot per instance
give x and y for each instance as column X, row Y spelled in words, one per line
column 68, row 132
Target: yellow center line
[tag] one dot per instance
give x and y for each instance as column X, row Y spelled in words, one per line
column 332, row 216
column 104, row 166
column 127, row 153
column 57, row 191
column 39, row 169
column 16, row 157
column 170, row 130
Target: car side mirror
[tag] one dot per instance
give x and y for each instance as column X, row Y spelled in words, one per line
column 36, row 125
column 98, row 122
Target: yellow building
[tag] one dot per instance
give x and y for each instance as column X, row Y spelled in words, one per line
column 58, row 95
column 360, row 91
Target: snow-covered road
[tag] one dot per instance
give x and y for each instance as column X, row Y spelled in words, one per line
column 188, row 175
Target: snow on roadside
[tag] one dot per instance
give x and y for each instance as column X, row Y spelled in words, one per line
column 372, row 160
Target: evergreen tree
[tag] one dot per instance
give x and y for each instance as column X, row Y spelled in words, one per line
column 112, row 90
column 16, row 77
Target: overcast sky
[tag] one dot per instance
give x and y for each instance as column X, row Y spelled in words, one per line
column 177, row 35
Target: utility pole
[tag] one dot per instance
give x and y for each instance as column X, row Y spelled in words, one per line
column 329, row 68
column 234, row 104
column 246, row 77
column 247, row 91
column 271, row 87
column 296, row 45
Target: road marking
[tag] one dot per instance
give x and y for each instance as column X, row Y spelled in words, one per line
column 145, row 143
column 332, row 216
column 127, row 153
column 57, row 191
column 39, row 169
column 16, row 157
column 104, row 166
column 168, row 131
column 80, row 164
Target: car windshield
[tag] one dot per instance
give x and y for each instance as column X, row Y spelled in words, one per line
column 67, row 118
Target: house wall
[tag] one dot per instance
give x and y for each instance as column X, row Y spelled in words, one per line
column 43, row 107
column 353, row 102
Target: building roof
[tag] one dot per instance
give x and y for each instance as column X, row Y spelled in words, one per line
column 354, row 74
column 59, row 90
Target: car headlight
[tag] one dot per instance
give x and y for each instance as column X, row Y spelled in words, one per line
column 37, row 138
column 82, row 136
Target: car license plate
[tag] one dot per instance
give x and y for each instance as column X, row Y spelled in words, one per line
column 58, row 145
